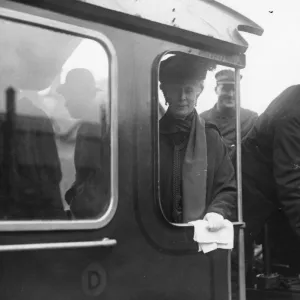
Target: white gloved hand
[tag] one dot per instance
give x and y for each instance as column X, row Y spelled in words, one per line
column 215, row 221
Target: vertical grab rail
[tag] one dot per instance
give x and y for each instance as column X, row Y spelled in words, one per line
column 8, row 147
column 266, row 252
column 241, row 246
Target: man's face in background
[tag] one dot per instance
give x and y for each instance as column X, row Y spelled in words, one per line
column 226, row 95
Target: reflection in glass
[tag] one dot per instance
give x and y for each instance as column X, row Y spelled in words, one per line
column 88, row 141
column 55, row 144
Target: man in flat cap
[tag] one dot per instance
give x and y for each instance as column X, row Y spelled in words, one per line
column 197, row 179
column 223, row 113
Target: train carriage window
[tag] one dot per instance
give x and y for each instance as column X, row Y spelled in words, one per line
column 196, row 118
column 55, row 133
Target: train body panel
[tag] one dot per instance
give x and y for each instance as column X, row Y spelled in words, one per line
column 152, row 259
column 137, row 253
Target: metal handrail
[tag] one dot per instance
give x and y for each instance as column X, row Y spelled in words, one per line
column 241, row 246
column 106, row 242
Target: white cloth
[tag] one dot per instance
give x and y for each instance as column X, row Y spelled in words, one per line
column 212, row 240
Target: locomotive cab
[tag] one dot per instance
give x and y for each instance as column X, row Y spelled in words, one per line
column 81, row 214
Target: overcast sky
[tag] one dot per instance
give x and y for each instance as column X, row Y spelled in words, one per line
column 273, row 60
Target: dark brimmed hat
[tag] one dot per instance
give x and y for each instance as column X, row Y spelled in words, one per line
column 79, row 79
column 181, row 67
column 226, row 76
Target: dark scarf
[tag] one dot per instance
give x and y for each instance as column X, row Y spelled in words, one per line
column 194, row 169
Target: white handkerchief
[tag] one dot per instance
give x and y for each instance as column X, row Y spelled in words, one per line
column 209, row 240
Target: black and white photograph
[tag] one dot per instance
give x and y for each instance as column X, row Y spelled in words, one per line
column 149, row 150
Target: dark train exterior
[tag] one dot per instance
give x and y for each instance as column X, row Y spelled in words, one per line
column 131, row 251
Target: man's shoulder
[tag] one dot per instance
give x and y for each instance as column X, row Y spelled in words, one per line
column 212, row 128
column 205, row 114
column 248, row 113
column 214, row 138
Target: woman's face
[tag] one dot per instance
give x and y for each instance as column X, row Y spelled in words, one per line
column 182, row 97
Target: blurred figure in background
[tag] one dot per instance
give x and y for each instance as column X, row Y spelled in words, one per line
column 34, row 169
column 89, row 194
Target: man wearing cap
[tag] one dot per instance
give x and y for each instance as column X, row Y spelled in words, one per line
column 223, row 113
column 197, row 179
column 89, row 194
column 79, row 91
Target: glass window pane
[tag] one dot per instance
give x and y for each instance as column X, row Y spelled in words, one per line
column 55, row 153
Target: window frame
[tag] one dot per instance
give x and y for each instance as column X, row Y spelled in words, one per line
column 219, row 59
column 79, row 31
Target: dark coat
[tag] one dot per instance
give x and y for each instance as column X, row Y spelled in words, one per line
column 221, row 185
column 89, row 195
column 35, row 173
column 227, row 123
column 271, row 163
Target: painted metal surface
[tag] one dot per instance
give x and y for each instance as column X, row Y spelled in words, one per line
column 152, row 258
column 67, row 245
column 204, row 17
column 201, row 24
